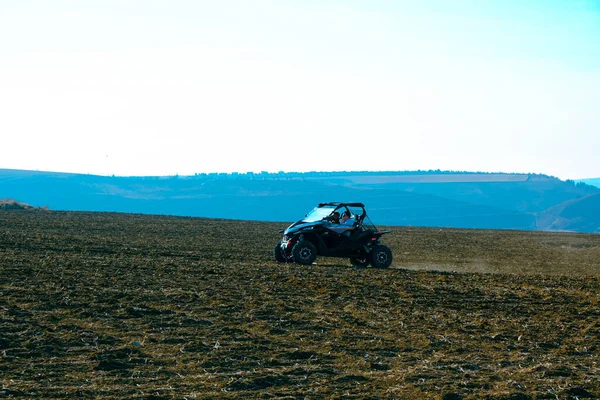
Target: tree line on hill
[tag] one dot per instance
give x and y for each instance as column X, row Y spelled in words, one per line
column 531, row 202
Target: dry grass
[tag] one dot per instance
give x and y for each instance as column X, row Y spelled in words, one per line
column 130, row 306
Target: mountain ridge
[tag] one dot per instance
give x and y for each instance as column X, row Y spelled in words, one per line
column 412, row 198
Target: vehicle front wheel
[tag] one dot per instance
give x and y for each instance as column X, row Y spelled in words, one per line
column 304, row 252
column 279, row 254
column 380, row 256
column 359, row 262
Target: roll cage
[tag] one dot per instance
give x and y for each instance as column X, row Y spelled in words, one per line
column 362, row 222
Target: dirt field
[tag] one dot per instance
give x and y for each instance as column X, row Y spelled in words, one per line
column 115, row 306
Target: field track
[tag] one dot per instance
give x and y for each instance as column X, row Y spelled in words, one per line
column 111, row 306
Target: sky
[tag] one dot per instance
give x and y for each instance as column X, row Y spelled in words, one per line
column 148, row 87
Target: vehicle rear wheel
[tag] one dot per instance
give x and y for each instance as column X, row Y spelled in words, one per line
column 380, row 256
column 279, row 254
column 359, row 262
column 304, row 252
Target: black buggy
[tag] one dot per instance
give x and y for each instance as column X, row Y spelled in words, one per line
column 321, row 233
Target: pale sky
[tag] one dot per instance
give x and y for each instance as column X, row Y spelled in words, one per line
column 148, row 87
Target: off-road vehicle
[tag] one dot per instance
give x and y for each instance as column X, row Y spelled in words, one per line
column 321, row 233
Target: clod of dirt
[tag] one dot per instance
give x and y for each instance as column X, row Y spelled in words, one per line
column 7, row 392
column 452, row 396
column 260, row 383
column 352, row 378
column 580, row 393
column 144, row 311
column 119, row 359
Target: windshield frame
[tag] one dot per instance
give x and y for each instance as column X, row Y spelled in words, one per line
column 318, row 213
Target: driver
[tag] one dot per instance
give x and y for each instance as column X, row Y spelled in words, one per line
column 347, row 219
column 335, row 217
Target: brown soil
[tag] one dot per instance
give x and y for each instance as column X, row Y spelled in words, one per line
column 114, row 306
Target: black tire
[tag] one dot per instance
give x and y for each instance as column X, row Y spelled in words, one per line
column 359, row 262
column 304, row 252
column 278, row 254
column 380, row 256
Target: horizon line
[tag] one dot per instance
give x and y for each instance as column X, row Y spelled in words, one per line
column 265, row 172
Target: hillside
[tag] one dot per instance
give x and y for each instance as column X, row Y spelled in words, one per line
column 418, row 198
column 113, row 306
column 593, row 181
column 574, row 215
column 519, row 193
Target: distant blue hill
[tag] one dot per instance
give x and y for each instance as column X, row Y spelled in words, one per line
column 415, row 198
column 592, row 181
column 577, row 214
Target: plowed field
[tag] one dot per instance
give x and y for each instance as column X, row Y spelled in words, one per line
column 113, row 306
